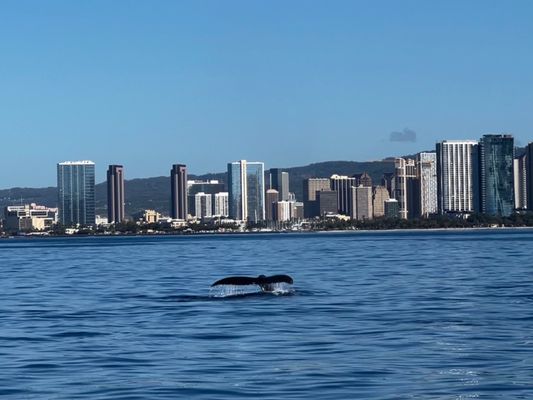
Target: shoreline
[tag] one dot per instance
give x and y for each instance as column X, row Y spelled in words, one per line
column 303, row 232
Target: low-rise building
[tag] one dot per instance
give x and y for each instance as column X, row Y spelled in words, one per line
column 151, row 216
column 29, row 217
column 392, row 208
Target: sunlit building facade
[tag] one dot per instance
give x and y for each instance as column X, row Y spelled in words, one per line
column 246, row 184
column 221, row 206
column 456, row 168
column 343, row 186
column 407, row 187
column 76, row 193
column 427, row 174
column 380, row 195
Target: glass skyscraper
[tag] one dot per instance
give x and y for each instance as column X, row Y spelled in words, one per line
column 246, row 185
column 496, row 155
column 75, row 184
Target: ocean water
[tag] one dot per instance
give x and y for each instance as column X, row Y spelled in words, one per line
column 395, row 315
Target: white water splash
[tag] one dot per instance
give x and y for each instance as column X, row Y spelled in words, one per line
column 278, row 289
column 281, row 288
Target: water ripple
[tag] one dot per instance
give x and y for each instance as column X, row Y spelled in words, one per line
column 436, row 315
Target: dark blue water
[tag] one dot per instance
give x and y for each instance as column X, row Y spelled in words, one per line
column 432, row 315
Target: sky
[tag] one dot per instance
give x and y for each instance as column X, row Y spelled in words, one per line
column 148, row 84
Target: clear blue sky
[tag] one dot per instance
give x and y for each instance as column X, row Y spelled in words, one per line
column 148, row 84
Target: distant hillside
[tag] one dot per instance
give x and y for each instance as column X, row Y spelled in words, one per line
column 154, row 193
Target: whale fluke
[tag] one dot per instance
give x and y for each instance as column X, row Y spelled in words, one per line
column 261, row 280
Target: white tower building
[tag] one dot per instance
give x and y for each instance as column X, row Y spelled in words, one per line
column 455, row 174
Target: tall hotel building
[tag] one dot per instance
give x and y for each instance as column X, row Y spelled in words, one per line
column 427, row 173
column 115, row 194
column 407, row 188
column 75, row 184
column 380, row 195
column 343, row 186
column 221, row 208
column 178, row 192
column 361, row 203
column 202, row 205
column 456, row 164
column 496, row 155
column 246, row 185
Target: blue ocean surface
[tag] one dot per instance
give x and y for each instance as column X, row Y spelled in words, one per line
column 377, row 315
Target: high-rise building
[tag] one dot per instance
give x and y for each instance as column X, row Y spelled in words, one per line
column 210, row 188
column 529, row 176
column 361, row 203
column 381, row 194
column 343, row 186
column 221, row 204
column 388, row 181
column 520, row 182
column 496, row 155
column 326, row 202
column 202, row 205
column 115, row 194
column 407, row 188
column 279, row 180
column 313, row 185
column 271, row 197
column 427, row 174
column 456, row 167
column 246, row 183
column 310, row 187
column 178, row 190
column 75, row 184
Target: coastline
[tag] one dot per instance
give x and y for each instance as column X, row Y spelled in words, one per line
column 268, row 233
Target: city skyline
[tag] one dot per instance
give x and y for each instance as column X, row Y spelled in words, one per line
column 485, row 176
column 292, row 83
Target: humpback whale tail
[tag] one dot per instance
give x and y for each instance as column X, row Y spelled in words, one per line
column 265, row 282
